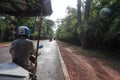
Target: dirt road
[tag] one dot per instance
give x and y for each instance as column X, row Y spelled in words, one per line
column 85, row 68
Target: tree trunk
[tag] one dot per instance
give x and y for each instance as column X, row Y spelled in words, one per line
column 79, row 14
column 85, row 43
column 87, row 10
column 2, row 35
column 79, row 19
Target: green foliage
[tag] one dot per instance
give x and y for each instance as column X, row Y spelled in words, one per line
column 114, row 30
column 2, row 24
column 97, row 32
column 67, row 30
column 103, row 32
column 9, row 24
column 6, row 27
column 47, row 30
column 34, row 34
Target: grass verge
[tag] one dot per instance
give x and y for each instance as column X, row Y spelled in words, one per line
column 5, row 43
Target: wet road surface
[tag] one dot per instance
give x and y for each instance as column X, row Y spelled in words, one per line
column 4, row 55
column 49, row 67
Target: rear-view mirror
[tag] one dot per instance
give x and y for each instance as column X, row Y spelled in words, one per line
column 40, row 46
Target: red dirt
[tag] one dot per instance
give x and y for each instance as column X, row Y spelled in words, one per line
column 85, row 68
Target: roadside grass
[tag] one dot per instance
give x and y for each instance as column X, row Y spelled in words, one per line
column 111, row 57
column 5, row 43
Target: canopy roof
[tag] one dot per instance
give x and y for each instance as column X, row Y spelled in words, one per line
column 25, row 8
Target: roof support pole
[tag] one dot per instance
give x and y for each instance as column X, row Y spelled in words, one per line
column 38, row 41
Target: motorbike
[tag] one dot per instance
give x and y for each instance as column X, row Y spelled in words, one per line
column 50, row 39
column 12, row 71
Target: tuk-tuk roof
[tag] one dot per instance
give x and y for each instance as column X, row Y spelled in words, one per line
column 25, row 8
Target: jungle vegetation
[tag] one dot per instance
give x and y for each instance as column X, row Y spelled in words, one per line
column 9, row 25
column 94, row 24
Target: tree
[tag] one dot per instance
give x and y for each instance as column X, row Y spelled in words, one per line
column 87, row 10
column 84, row 38
column 47, row 28
column 2, row 29
column 94, row 31
column 67, row 30
column 79, row 15
column 6, row 27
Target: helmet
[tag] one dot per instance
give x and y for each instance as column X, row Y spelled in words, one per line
column 23, row 31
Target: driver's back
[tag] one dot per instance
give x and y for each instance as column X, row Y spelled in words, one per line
column 21, row 49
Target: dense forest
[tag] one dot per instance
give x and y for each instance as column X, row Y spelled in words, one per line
column 94, row 24
column 9, row 25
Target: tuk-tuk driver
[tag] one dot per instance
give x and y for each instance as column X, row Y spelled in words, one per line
column 22, row 50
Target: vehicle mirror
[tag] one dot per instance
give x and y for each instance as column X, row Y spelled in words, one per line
column 40, row 46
